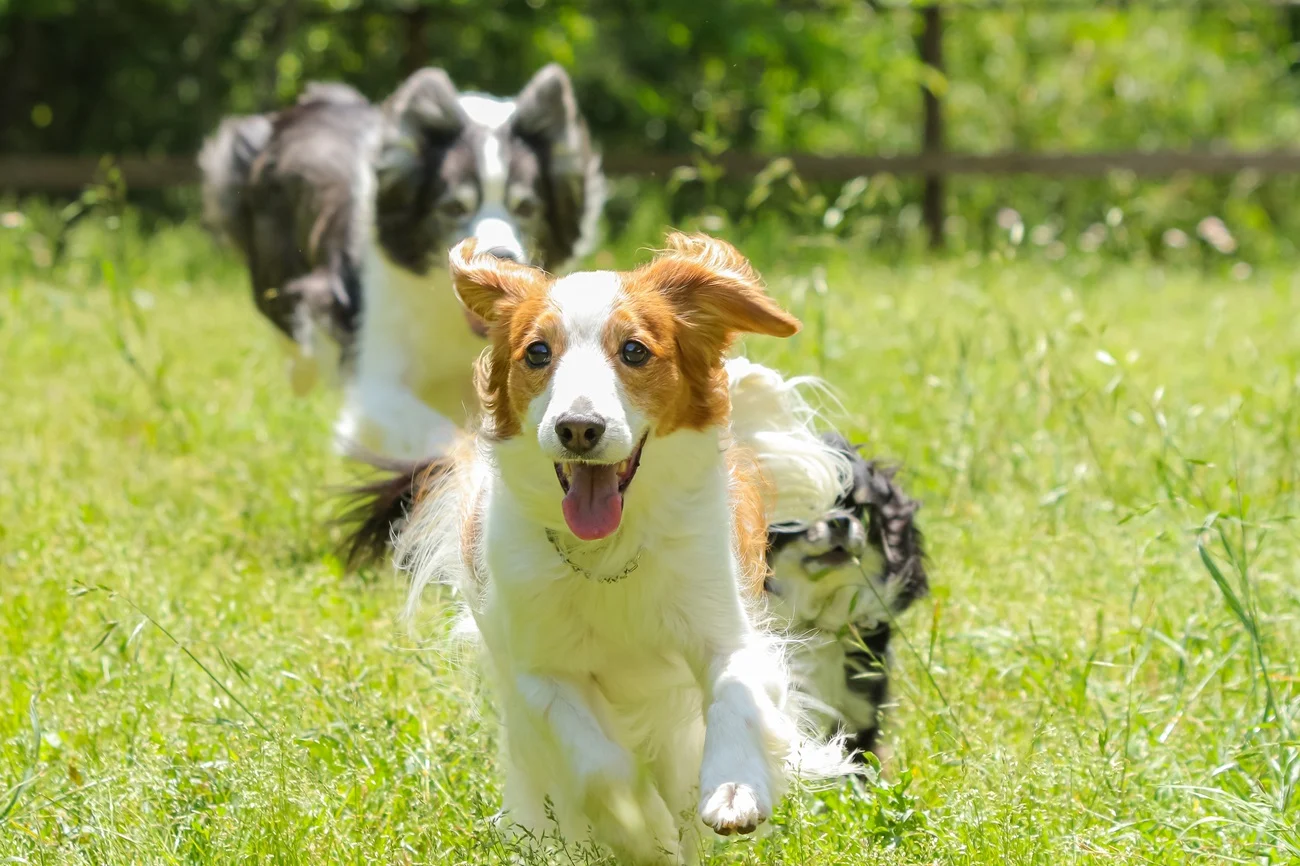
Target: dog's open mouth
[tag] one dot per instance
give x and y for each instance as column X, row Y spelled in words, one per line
column 593, row 494
column 833, row 558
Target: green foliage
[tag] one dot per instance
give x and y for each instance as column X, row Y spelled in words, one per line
column 826, row 76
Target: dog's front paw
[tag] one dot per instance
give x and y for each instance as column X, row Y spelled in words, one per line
column 733, row 807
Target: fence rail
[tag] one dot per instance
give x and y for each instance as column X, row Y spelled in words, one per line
column 62, row 174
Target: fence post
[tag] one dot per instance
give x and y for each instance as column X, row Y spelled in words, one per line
column 415, row 50
column 931, row 50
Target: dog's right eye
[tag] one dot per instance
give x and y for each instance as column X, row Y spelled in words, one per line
column 453, row 209
column 537, row 355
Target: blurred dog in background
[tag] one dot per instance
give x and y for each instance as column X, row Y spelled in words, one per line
column 344, row 212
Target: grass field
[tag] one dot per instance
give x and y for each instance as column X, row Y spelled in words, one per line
column 186, row 675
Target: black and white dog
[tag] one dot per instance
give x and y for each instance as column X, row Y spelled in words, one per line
column 838, row 586
column 344, row 212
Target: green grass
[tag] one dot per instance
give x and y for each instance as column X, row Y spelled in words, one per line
column 185, row 675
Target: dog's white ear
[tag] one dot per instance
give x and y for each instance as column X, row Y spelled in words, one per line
column 487, row 285
column 715, row 290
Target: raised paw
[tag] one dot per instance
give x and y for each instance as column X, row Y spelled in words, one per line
column 734, row 808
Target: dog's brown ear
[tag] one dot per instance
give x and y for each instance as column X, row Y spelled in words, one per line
column 715, row 289
column 486, row 284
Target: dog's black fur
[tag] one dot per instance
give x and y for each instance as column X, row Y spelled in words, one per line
column 283, row 187
column 376, row 510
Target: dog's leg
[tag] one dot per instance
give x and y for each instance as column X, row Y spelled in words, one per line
column 624, row 812
column 387, row 419
column 740, row 777
column 866, row 679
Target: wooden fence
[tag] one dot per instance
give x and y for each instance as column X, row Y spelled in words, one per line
column 64, row 174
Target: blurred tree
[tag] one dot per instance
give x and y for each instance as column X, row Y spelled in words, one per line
column 830, row 76
column 94, row 76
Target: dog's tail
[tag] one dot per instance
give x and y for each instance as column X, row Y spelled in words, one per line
column 772, row 418
column 376, row 511
column 228, row 156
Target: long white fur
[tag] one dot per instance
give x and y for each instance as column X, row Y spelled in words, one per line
column 647, row 710
column 771, row 417
column 409, row 394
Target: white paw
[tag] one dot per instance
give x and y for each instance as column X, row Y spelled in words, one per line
column 734, row 808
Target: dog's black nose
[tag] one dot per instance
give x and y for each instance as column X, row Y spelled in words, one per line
column 504, row 253
column 580, row 433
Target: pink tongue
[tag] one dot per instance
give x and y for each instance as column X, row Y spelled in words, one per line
column 593, row 506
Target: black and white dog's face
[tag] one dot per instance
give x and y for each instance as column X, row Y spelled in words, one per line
column 861, row 563
column 519, row 175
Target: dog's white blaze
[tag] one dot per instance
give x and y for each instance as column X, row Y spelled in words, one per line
column 585, row 302
column 487, row 110
column 585, row 380
column 492, row 170
column 492, row 225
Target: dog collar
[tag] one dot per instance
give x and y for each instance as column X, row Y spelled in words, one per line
column 633, row 564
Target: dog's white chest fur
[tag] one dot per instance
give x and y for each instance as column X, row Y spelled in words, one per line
column 623, row 612
column 626, row 642
column 634, row 698
column 429, row 341
column 413, row 386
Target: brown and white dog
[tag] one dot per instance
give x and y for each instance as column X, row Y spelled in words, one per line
column 605, row 531
column 345, row 211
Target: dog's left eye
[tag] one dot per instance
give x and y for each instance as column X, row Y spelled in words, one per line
column 635, row 354
column 525, row 208
column 537, row 355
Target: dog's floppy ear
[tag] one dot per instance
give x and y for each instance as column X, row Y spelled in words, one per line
column 427, row 100
column 426, row 103
column 486, row 284
column 546, row 107
column 546, row 115
column 714, row 289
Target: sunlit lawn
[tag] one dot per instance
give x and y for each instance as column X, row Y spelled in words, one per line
column 186, row 675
